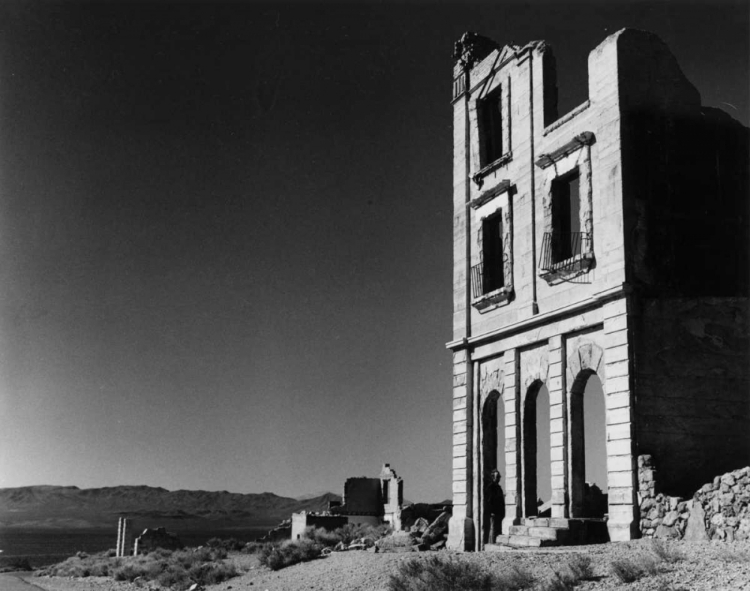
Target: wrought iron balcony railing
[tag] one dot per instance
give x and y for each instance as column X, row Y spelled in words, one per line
column 486, row 278
column 562, row 250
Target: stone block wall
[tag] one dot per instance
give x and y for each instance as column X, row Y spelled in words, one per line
column 726, row 506
column 719, row 510
column 662, row 516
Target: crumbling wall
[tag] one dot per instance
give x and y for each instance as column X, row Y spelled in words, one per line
column 303, row 520
column 151, row 539
column 392, row 492
column 362, row 496
column 719, row 510
column 662, row 516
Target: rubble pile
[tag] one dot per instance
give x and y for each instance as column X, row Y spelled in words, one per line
column 719, row 510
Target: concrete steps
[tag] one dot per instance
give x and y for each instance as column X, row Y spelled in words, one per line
column 542, row 532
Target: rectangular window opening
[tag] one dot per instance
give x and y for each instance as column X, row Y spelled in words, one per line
column 567, row 238
column 491, row 127
column 492, row 252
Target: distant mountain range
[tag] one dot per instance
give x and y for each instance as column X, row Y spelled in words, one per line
column 71, row 507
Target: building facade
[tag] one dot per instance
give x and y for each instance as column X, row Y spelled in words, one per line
column 608, row 245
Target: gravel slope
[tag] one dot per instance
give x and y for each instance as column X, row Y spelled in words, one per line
column 706, row 566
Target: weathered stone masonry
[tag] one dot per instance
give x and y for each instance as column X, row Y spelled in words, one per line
column 604, row 243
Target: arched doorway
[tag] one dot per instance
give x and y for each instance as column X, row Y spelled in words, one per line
column 536, row 450
column 588, row 447
column 493, row 450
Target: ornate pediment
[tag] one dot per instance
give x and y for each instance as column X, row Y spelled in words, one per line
column 472, row 48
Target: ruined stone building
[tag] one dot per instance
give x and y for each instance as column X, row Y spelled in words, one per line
column 371, row 501
column 607, row 248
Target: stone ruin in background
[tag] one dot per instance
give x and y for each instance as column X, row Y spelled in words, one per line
column 371, row 501
column 149, row 540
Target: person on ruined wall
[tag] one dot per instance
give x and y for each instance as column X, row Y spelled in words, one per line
column 494, row 508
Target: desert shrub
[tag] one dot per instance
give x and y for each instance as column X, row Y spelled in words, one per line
column 213, row 573
column 174, row 577
column 580, row 568
column 514, row 579
column 558, row 582
column 82, row 565
column 322, row 536
column 277, row 556
column 176, row 570
column 15, row 563
column 253, row 547
column 437, row 573
column 628, row 571
column 128, row 572
column 160, row 553
column 666, row 553
column 399, row 539
column 730, row 554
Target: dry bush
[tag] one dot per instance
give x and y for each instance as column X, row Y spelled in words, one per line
column 277, row 556
column 14, row 564
column 666, row 553
column 440, row 574
column 729, row 554
column 322, row 536
column 399, row 539
column 176, row 570
column 436, row 573
column 580, row 567
column 628, row 571
column 514, row 579
column 558, row 582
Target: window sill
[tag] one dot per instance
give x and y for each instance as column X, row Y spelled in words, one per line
column 568, row 269
column 493, row 299
column 478, row 177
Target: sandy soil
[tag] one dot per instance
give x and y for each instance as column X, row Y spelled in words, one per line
column 704, row 567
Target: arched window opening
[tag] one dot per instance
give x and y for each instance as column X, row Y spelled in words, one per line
column 588, row 447
column 493, row 458
column 536, row 449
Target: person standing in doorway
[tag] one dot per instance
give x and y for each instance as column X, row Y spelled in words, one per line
column 495, row 507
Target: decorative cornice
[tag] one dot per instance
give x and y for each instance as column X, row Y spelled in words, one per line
column 501, row 187
column 584, row 139
column 478, row 176
column 593, row 301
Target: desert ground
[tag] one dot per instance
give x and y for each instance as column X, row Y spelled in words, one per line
column 699, row 566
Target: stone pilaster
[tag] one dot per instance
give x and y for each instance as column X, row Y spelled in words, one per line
column 461, row 529
column 558, row 427
column 512, row 481
column 621, row 471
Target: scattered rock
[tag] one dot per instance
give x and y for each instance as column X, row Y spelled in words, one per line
column 437, row 530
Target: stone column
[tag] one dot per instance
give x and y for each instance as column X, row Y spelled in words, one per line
column 118, row 548
column 461, row 526
column 621, row 470
column 558, row 427
column 511, row 482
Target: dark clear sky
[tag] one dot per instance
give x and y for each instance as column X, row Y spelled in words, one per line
column 225, row 230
